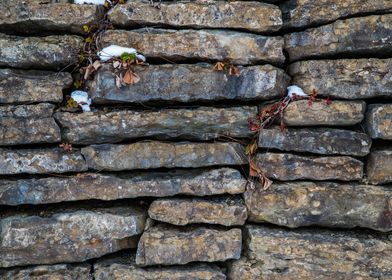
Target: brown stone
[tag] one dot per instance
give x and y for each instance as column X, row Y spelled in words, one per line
column 185, row 245
column 379, row 166
column 153, row 154
column 364, row 36
column 345, row 78
column 181, row 211
column 379, row 121
column 284, row 166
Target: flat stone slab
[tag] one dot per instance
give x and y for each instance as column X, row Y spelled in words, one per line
column 278, row 253
column 33, row 17
column 203, row 123
column 28, row 124
column 345, row 78
column 153, row 154
column 185, row 245
column 325, row 141
column 379, row 167
column 302, row 13
column 203, row 45
column 50, row 52
column 251, row 16
column 112, row 187
column 165, row 83
column 379, row 121
column 288, row 167
column 224, row 211
column 26, row 86
column 40, row 161
column 326, row 204
column 362, row 36
column 69, row 236
column 337, row 113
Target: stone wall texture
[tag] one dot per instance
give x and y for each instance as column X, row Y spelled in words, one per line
column 156, row 181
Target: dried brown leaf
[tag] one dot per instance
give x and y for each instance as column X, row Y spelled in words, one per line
column 131, row 78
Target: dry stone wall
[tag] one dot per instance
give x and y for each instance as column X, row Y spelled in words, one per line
column 156, row 184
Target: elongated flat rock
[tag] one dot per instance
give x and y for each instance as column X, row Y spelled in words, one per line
column 165, row 83
column 34, row 17
column 28, row 124
column 345, row 78
column 182, row 246
column 288, row 167
column 145, row 155
column 252, row 16
column 39, row 161
column 223, row 211
column 302, row 13
column 204, row 123
column 364, row 36
column 25, row 86
column 379, row 121
column 379, row 167
column 112, row 187
column 325, row 141
column 68, row 236
column 333, row 205
column 50, row 52
column 337, row 113
column 180, row 45
column 281, row 254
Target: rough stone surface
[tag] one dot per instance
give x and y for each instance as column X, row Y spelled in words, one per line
column 252, row 16
column 124, row 267
column 165, row 83
column 338, row 113
column 326, row 141
column 179, row 45
column 276, row 253
column 204, row 123
column 345, row 78
column 379, row 121
column 300, row 204
column 183, row 211
column 28, row 124
column 144, row 155
column 68, row 236
column 301, row 13
column 50, row 52
column 24, row 86
column 181, row 246
column 49, row 272
column 38, row 161
column 379, row 167
column 30, row 17
column 290, row 167
column 363, row 36
column 112, row 187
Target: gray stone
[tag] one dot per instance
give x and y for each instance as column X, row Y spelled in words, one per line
column 38, row 161
column 153, row 154
column 50, row 52
column 28, row 124
column 379, row 166
column 180, row 45
column 252, row 16
column 364, row 36
column 112, row 187
column 68, row 236
column 181, row 211
column 203, row 123
column 326, row 141
column 379, row 121
column 345, row 78
column 288, row 167
column 21, row 86
column 165, row 83
column 326, row 204
column 185, row 245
